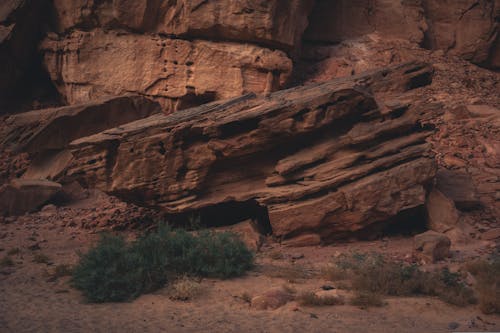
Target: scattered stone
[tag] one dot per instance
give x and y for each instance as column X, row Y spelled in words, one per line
column 453, row 325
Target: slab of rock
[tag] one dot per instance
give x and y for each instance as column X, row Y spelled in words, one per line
column 86, row 65
column 459, row 187
column 53, row 129
column 432, row 246
column 322, row 158
column 442, row 214
column 278, row 23
column 24, row 195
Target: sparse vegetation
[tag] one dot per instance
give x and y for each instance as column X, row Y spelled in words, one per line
column 41, row 258
column 487, row 274
column 372, row 273
column 116, row 271
column 185, row 289
column 311, row 299
column 6, row 262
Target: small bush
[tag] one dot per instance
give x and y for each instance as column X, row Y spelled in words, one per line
column 487, row 274
column 365, row 300
column 117, row 271
column 62, row 270
column 311, row 299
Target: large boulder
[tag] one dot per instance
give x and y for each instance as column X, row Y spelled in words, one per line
column 22, row 196
column 324, row 159
column 277, row 23
column 432, row 246
column 442, row 214
column 179, row 73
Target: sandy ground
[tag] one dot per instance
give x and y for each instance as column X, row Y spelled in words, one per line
column 30, row 301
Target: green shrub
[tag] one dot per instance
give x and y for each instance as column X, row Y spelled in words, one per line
column 117, row 271
column 110, row 272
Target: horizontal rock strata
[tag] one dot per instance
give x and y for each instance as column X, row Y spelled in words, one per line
column 324, row 159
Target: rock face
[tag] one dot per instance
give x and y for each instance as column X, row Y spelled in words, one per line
column 324, row 159
column 25, row 196
column 276, row 23
column 467, row 28
column 20, row 30
column 178, row 73
column 336, row 21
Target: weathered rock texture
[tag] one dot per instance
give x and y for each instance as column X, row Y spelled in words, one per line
column 179, row 73
column 54, row 129
column 276, row 23
column 324, row 159
column 468, row 28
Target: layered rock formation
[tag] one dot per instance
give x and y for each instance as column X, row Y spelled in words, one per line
column 276, row 23
column 324, row 159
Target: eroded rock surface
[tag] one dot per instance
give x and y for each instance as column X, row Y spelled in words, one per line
column 179, row 73
column 277, row 23
column 325, row 159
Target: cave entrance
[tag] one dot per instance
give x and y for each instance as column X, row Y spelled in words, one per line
column 225, row 214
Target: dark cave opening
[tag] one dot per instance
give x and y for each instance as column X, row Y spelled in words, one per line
column 224, row 214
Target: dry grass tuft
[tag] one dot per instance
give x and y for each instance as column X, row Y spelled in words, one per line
column 311, row 299
column 185, row 289
column 487, row 274
column 372, row 273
